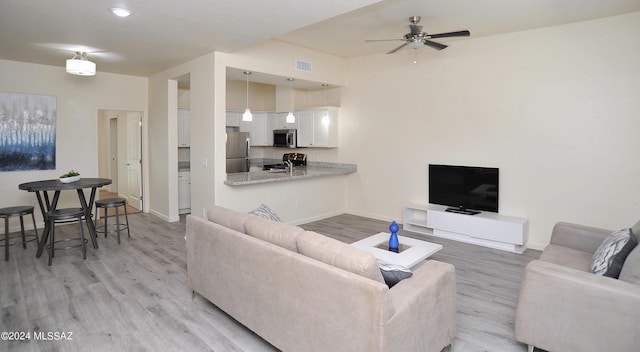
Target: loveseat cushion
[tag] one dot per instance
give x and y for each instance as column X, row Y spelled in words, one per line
column 339, row 254
column 610, row 256
column 280, row 234
column 631, row 268
column 568, row 257
column 228, row 218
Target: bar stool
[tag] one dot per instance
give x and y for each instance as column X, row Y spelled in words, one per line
column 20, row 211
column 65, row 215
column 115, row 203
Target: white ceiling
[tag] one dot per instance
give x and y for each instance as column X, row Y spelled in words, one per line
column 164, row 33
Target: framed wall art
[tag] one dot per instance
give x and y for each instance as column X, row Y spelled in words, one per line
column 27, row 132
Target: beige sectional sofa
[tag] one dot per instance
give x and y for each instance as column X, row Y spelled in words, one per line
column 564, row 307
column 302, row 291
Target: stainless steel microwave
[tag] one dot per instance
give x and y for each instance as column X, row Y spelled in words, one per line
column 285, row 138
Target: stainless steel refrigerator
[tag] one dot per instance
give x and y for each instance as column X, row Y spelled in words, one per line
column 237, row 152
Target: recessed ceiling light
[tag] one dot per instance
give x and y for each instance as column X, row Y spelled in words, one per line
column 121, row 12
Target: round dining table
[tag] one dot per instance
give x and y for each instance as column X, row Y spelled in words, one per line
column 42, row 189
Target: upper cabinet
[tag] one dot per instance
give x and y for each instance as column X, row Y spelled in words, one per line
column 233, row 118
column 281, row 122
column 317, row 127
column 184, row 132
column 261, row 129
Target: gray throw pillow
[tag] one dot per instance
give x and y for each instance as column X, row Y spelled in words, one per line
column 612, row 252
column 264, row 211
column 393, row 273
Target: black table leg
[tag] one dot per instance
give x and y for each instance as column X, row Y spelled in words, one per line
column 49, row 207
column 87, row 215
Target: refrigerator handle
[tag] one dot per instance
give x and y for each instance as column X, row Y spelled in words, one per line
column 248, row 147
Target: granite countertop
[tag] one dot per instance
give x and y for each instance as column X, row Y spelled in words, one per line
column 313, row 169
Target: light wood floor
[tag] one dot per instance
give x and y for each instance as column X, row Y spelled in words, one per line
column 135, row 296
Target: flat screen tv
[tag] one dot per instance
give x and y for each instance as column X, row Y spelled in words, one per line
column 465, row 189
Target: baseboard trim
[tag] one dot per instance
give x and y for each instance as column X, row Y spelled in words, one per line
column 316, row 218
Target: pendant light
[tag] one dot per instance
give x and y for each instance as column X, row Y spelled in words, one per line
column 79, row 65
column 247, row 116
column 290, row 117
column 325, row 118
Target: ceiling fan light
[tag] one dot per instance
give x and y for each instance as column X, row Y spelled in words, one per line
column 247, row 116
column 290, row 118
column 79, row 65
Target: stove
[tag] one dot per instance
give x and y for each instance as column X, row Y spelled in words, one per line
column 296, row 159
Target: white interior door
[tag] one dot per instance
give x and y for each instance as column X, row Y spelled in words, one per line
column 113, row 154
column 134, row 159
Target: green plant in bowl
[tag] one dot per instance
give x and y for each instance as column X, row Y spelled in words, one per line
column 71, row 173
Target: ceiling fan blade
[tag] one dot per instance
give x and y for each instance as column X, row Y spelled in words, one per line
column 464, row 33
column 415, row 29
column 398, row 48
column 382, row 40
column 434, row 45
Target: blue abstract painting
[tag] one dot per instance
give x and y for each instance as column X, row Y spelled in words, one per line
column 27, row 132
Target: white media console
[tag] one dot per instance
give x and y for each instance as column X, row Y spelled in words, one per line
column 485, row 229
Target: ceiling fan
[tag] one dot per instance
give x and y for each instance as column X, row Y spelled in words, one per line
column 417, row 38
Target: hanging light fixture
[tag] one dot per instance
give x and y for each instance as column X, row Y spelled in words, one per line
column 325, row 118
column 290, row 117
column 247, row 116
column 80, row 65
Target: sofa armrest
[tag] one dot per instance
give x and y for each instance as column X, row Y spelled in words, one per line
column 426, row 302
column 579, row 237
column 563, row 309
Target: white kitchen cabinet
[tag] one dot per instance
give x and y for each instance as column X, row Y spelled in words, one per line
column 184, row 192
column 184, row 128
column 233, row 118
column 281, row 122
column 262, row 129
column 318, row 127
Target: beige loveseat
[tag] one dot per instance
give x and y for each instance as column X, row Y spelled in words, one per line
column 302, row 291
column 564, row 307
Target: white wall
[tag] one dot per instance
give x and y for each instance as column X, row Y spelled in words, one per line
column 78, row 101
column 163, row 124
column 556, row 109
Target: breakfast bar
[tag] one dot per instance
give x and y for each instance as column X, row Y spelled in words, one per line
column 311, row 170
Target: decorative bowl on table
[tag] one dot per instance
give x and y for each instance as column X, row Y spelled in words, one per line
column 71, row 176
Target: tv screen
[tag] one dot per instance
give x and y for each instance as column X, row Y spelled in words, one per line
column 464, row 188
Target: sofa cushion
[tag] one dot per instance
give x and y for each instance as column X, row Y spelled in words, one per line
column 569, row 257
column 631, row 268
column 610, row 256
column 280, row 234
column 228, row 218
column 264, row 211
column 339, row 254
column 393, row 273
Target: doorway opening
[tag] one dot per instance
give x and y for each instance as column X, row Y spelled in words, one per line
column 120, row 156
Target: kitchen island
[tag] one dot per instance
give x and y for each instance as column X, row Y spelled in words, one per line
column 311, row 170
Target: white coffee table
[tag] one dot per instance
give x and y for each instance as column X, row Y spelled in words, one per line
column 412, row 251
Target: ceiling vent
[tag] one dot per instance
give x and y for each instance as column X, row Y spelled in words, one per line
column 303, row 66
